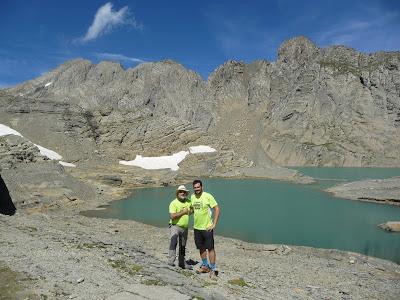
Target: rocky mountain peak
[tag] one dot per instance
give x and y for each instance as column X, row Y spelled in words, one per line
column 228, row 71
column 298, row 50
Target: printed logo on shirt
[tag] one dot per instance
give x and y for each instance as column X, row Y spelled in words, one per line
column 197, row 205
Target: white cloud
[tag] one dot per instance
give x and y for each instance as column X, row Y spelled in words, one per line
column 118, row 57
column 107, row 19
column 343, row 33
column 372, row 35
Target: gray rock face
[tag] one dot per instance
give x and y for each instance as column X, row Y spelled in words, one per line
column 156, row 89
column 330, row 115
column 156, row 108
column 323, row 107
column 313, row 106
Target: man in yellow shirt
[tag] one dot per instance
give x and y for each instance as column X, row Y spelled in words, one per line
column 179, row 210
column 204, row 226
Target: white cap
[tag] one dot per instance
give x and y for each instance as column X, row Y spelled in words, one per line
column 182, row 188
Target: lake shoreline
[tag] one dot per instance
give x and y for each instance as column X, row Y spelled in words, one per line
column 67, row 255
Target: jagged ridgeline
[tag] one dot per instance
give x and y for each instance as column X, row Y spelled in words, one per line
column 313, row 106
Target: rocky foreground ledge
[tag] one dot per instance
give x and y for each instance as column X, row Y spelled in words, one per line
column 59, row 254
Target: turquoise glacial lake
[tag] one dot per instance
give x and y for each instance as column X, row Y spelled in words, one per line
column 275, row 212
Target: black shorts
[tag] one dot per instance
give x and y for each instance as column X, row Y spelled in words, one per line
column 204, row 239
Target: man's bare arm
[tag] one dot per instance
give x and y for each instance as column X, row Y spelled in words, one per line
column 177, row 215
column 216, row 218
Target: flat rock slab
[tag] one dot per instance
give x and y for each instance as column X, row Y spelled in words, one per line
column 142, row 291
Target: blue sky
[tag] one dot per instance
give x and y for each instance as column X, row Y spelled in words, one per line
column 38, row 35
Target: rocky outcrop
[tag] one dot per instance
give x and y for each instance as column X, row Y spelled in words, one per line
column 15, row 150
column 385, row 191
column 390, row 226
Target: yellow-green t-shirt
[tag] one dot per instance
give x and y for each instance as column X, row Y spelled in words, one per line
column 201, row 210
column 177, row 206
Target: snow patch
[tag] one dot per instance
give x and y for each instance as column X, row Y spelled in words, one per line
column 49, row 153
column 165, row 162
column 66, row 164
column 157, row 162
column 201, row 149
column 49, row 83
column 5, row 130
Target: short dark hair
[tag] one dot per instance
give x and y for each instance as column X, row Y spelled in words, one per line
column 197, row 181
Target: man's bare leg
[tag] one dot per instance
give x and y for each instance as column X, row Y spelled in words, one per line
column 212, row 256
column 203, row 254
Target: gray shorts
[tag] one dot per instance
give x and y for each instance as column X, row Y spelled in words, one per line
column 177, row 233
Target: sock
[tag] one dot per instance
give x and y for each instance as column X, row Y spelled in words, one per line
column 205, row 262
column 212, row 267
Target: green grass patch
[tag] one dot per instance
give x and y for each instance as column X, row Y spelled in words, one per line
column 14, row 285
column 238, row 281
column 186, row 273
column 154, row 282
column 91, row 246
column 27, row 228
column 135, row 268
column 121, row 265
column 207, row 283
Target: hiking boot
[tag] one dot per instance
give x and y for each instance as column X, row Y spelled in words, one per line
column 203, row 269
column 214, row 274
column 183, row 264
column 186, row 266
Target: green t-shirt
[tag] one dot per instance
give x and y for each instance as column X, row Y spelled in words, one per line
column 202, row 212
column 177, row 206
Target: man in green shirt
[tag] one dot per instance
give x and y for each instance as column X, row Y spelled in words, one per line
column 179, row 210
column 202, row 203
